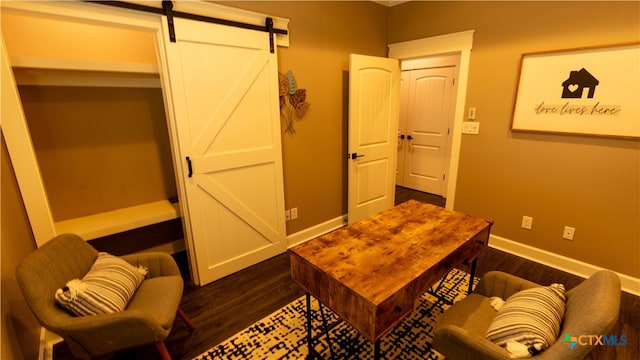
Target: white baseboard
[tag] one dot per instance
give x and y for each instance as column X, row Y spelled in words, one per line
column 315, row 231
column 629, row 284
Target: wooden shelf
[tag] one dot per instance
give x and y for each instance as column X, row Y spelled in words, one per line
column 116, row 221
column 66, row 72
column 82, row 65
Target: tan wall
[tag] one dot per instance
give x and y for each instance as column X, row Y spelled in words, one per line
column 590, row 183
column 20, row 331
column 323, row 34
column 123, row 128
column 26, row 34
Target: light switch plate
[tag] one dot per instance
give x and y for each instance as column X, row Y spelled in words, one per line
column 472, row 113
column 471, row 127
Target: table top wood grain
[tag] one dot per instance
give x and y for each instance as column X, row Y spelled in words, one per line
column 376, row 259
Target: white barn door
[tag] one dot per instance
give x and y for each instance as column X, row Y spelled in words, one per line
column 374, row 95
column 223, row 104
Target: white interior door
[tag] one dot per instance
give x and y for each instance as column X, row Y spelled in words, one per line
column 224, row 92
column 374, row 94
column 428, row 123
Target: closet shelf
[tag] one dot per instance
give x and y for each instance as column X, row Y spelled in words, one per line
column 82, row 65
column 66, row 72
column 116, row 221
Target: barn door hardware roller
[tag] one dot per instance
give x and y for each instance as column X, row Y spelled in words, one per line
column 269, row 22
column 167, row 5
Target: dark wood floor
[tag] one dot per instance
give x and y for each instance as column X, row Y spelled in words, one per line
column 403, row 194
column 223, row 308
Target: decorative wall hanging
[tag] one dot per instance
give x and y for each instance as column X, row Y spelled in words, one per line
column 292, row 101
column 590, row 91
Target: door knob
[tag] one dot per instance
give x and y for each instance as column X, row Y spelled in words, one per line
column 402, row 136
column 409, row 137
column 355, row 156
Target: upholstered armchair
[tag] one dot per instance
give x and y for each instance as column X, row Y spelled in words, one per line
column 147, row 318
column 591, row 308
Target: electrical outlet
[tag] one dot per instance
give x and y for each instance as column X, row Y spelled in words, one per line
column 568, row 232
column 287, row 215
column 527, row 222
column 294, row 213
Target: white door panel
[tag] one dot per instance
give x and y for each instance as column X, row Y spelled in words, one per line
column 429, row 115
column 374, row 90
column 223, row 83
column 371, row 187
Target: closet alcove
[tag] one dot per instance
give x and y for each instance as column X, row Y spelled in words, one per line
column 94, row 109
column 130, row 130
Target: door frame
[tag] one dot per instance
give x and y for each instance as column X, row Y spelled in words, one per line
column 462, row 43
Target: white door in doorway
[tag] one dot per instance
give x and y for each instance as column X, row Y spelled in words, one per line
column 224, row 86
column 374, row 94
column 428, row 101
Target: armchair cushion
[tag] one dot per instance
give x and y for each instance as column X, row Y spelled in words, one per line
column 531, row 317
column 460, row 332
column 105, row 289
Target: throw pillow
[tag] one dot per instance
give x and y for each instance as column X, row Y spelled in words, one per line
column 531, row 317
column 106, row 288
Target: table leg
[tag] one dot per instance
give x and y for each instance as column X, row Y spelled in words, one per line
column 325, row 327
column 472, row 275
column 376, row 350
column 309, row 333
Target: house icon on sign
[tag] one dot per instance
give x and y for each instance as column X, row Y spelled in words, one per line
column 574, row 86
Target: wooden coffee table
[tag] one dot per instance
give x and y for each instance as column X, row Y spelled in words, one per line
column 370, row 273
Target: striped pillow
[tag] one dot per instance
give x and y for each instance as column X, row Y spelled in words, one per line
column 531, row 317
column 105, row 289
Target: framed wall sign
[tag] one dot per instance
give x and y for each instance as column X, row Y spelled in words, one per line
column 592, row 91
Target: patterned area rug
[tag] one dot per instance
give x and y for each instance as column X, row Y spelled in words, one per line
column 283, row 335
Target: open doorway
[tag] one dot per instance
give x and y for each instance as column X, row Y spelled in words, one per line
column 427, row 105
column 456, row 43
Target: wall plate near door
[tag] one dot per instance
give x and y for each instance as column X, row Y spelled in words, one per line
column 471, row 127
column 568, row 232
column 472, row 113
